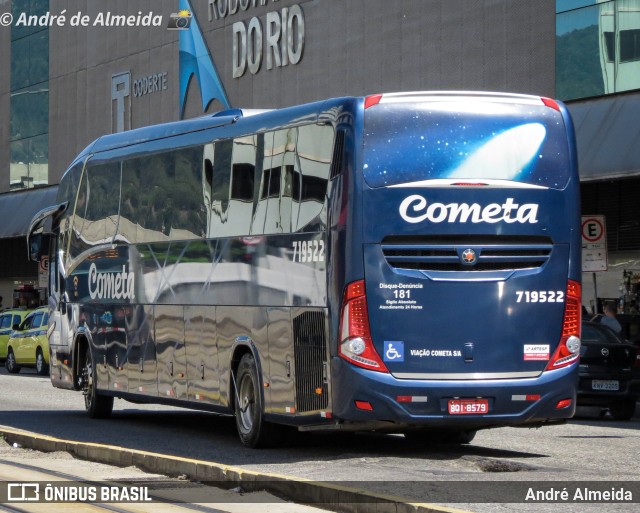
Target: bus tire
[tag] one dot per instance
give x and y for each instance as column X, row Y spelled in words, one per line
column 98, row 406
column 10, row 363
column 42, row 369
column 254, row 432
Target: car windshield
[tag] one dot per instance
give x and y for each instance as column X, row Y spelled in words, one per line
column 595, row 333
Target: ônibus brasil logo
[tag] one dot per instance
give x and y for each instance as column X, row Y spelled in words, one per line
column 415, row 209
column 111, row 285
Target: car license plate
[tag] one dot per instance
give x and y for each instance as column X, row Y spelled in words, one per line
column 605, row 384
column 468, row 406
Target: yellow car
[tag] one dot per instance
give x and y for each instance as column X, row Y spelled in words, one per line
column 9, row 319
column 28, row 346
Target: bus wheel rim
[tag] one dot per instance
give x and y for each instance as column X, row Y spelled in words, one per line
column 246, row 398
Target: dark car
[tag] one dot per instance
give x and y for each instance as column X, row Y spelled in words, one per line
column 609, row 371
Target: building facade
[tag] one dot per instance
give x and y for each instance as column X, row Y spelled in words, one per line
column 80, row 69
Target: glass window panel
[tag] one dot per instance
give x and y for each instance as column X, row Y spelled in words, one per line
column 231, row 206
column 568, row 5
column 581, row 69
column 30, row 60
column 629, row 45
column 100, row 219
column 30, row 111
column 628, row 30
column 162, row 197
column 188, row 218
column 29, row 163
column 67, row 192
column 29, row 8
column 264, row 163
column 313, row 156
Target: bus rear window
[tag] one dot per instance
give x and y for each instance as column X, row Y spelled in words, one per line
column 405, row 143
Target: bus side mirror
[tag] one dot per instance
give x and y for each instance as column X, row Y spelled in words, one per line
column 35, row 247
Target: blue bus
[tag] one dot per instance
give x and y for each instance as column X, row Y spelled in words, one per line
column 404, row 263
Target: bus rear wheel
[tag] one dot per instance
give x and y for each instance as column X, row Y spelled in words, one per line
column 253, row 430
column 98, row 406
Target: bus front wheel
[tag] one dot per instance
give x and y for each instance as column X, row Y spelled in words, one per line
column 252, row 428
column 98, row 406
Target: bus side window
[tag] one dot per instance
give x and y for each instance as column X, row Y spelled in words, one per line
column 188, row 221
column 130, row 203
column 96, row 214
column 261, row 189
column 313, row 165
column 278, row 182
column 67, row 189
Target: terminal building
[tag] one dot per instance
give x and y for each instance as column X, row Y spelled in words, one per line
column 78, row 70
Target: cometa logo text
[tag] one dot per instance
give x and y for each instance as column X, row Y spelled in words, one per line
column 111, row 285
column 415, row 209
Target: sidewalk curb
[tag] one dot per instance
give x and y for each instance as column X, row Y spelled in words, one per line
column 320, row 494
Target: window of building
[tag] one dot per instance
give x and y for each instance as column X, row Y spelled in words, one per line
column 29, row 99
column 597, row 47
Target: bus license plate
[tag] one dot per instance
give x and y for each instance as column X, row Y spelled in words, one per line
column 605, row 384
column 468, row 406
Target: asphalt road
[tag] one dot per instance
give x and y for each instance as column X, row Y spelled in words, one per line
column 498, row 461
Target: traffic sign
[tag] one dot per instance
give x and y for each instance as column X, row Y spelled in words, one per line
column 594, row 244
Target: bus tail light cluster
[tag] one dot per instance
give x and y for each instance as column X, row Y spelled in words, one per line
column 356, row 345
column 569, row 348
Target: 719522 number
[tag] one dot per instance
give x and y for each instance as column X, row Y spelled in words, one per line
column 308, row 251
column 539, row 296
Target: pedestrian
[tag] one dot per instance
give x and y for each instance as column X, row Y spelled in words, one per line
column 609, row 318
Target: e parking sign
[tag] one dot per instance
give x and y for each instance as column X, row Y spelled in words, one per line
column 594, row 244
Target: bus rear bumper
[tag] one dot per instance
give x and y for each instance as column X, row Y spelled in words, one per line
column 362, row 396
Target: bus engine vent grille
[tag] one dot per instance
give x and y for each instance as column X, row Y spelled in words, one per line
column 310, row 355
column 447, row 254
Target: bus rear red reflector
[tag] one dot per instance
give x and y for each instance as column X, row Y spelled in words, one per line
column 564, row 403
column 372, row 100
column 412, row 398
column 551, row 103
column 528, row 397
column 364, row 405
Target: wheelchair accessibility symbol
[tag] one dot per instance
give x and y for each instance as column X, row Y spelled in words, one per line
column 393, row 351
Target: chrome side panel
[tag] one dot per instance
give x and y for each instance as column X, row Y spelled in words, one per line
column 112, row 322
column 98, row 344
column 142, row 365
column 281, row 391
column 62, row 330
column 171, row 352
column 240, row 327
column 202, row 354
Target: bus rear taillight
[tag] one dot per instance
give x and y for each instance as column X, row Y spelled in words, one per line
column 569, row 348
column 356, row 345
